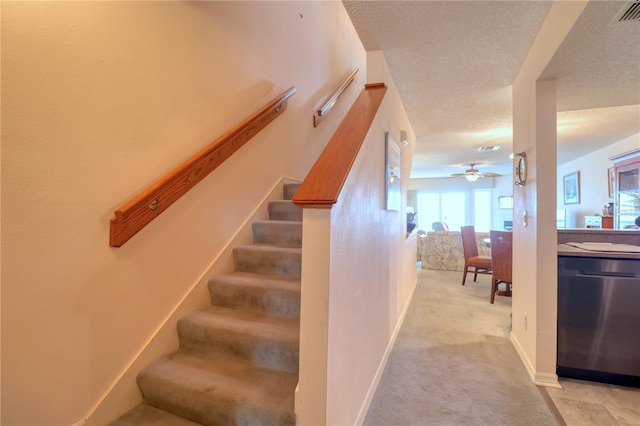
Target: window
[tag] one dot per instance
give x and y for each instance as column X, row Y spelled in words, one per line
column 481, row 217
column 457, row 208
column 453, row 209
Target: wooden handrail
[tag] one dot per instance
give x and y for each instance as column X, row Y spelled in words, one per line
column 146, row 206
column 322, row 186
column 324, row 109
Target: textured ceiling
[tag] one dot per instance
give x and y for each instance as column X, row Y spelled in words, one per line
column 454, row 62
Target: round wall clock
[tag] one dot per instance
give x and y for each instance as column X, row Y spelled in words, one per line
column 521, row 169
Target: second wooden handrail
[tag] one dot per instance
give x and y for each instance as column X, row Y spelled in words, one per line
column 322, row 186
column 326, row 107
column 142, row 209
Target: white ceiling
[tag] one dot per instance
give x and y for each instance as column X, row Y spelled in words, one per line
column 454, row 62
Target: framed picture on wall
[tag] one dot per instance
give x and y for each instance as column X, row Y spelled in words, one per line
column 572, row 188
column 392, row 174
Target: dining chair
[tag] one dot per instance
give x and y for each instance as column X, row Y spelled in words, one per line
column 480, row 264
column 501, row 260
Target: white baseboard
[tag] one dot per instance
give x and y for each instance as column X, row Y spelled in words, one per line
column 523, row 356
column 540, row 379
column 547, row 380
column 383, row 362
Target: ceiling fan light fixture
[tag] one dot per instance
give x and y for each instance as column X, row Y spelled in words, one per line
column 472, row 177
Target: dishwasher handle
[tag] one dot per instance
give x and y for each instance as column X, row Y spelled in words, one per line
column 602, row 274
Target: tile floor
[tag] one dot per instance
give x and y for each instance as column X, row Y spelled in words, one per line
column 584, row 403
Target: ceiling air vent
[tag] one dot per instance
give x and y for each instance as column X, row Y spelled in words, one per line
column 629, row 13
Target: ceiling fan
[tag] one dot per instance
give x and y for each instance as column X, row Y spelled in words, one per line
column 474, row 174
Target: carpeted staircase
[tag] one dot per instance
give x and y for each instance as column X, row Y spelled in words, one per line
column 238, row 359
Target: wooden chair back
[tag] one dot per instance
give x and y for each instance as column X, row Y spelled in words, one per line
column 479, row 264
column 469, row 242
column 501, row 255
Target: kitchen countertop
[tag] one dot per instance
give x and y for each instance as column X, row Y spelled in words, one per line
column 617, row 236
column 567, row 250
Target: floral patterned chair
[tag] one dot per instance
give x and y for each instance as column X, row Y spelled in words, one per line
column 442, row 250
column 421, row 236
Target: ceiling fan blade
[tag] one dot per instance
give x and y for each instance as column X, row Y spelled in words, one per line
column 458, row 175
column 491, row 174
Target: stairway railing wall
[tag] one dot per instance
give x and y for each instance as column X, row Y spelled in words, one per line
column 329, row 219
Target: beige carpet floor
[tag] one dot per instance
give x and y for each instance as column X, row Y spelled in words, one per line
column 453, row 362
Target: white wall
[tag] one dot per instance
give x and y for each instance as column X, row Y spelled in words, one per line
column 100, row 99
column 535, row 245
column 594, row 189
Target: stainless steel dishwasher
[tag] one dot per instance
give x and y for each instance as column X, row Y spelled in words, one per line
column 599, row 319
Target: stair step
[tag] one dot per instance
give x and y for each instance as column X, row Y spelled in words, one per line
column 267, row 342
column 270, row 294
column 284, row 233
column 219, row 391
column 289, row 190
column 284, row 210
column 146, row 415
column 268, row 259
column 238, row 359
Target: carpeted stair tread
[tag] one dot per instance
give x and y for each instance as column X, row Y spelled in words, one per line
column 277, row 232
column 268, row 259
column 259, row 280
column 146, row 415
column 296, row 223
column 219, row 390
column 284, row 210
column 272, row 294
column 244, row 322
column 284, row 222
column 271, row 247
column 265, row 341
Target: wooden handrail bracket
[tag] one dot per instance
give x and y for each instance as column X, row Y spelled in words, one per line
column 321, row 188
column 146, row 206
